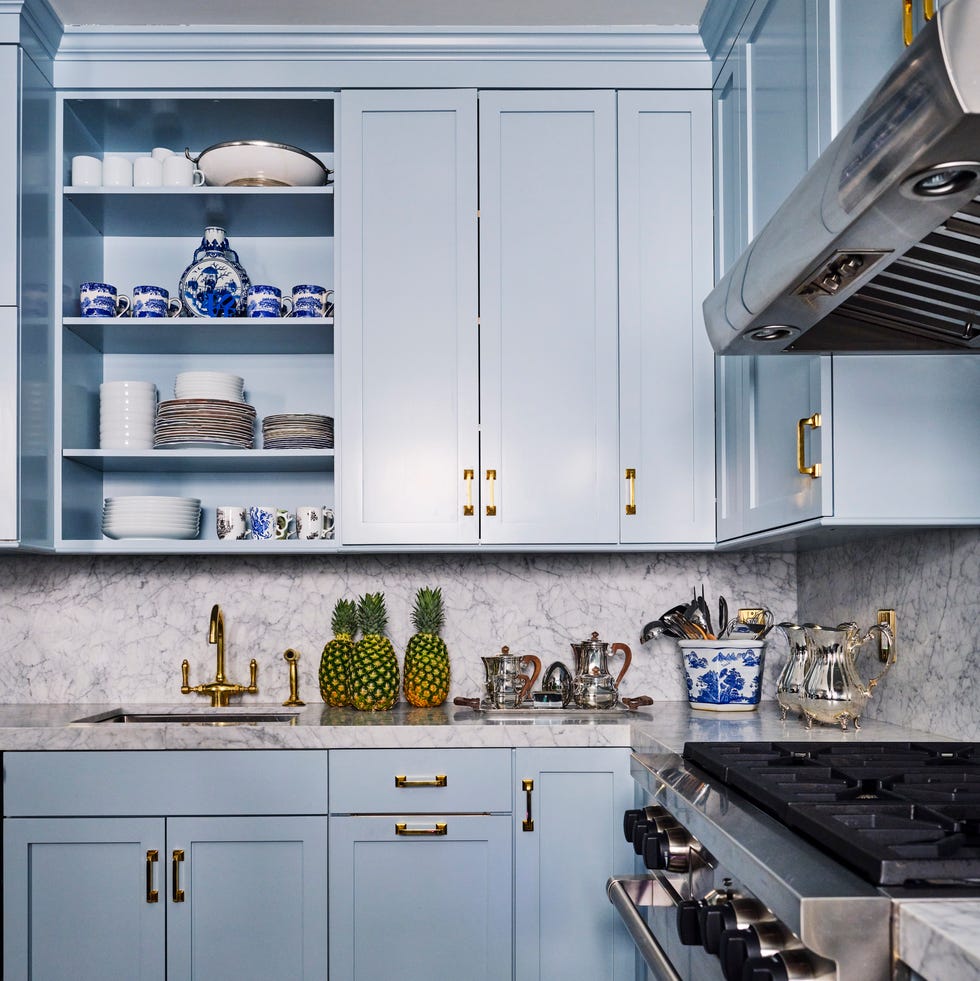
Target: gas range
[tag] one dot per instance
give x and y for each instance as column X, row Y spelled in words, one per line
column 784, row 860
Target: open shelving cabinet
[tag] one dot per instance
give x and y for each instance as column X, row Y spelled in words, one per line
column 129, row 236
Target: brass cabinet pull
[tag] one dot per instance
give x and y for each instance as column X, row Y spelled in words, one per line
column 528, row 823
column 152, row 857
column 404, row 831
column 812, row 422
column 177, row 894
column 907, row 25
column 631, row 480
column 439, row 780
column 928, row 9
column 468, row 506
column 491, row 480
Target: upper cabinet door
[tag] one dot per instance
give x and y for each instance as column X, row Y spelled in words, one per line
column 407, row 317
column 9, row 505
column 10, row 168
column 548, row 312
column 665, row 360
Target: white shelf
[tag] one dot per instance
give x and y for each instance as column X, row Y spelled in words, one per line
column 140, row 546
column 204, row 461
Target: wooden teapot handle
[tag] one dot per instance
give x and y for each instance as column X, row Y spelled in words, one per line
column 529, row 686
column 627, row 659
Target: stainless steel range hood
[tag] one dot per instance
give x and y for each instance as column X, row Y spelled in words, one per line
column 878, row 248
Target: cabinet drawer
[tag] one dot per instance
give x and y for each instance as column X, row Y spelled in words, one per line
column 382, row 781
column 175, row 782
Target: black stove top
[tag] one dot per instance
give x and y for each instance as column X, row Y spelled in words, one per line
column 897, row 813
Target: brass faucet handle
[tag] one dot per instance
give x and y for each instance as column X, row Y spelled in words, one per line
column 253, row 675
column 185, row 683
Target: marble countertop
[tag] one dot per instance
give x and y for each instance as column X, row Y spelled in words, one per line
column 940, row 938
column 661, row 728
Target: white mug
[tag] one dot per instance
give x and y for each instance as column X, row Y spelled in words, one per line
column 147, row 172
column 117, row 172
column 308, row 523
column 327, row 523
column 181, row 172
column 86, row 172
column 161, row 153
column 232, row 523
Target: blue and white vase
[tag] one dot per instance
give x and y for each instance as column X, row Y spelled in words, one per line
column 215, row 283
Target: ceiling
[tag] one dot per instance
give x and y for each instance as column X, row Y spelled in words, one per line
column 380, row 13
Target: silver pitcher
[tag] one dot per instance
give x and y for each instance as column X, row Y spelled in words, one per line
column 832, row 689
column 789, row 685
column 594, row 686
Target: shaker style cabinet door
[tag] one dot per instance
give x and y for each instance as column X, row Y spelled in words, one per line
column 84, row 898
column 9, row 468
column 548, row 318
column 254, row 903
column 431, row 900
column 566, row 927
column 666, row 365
column 407, row 315
column 10, row 168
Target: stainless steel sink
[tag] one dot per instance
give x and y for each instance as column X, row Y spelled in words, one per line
column 214, row 717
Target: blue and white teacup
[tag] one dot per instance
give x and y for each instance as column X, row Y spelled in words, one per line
column 101, row 300
column 154, row 301
column 262, row 522
column 267, row 301
column 312, row 301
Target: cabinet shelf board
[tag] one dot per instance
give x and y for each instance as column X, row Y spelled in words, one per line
column 193, row 335
column 166, row 211
column 204, row 461
column 211, row 546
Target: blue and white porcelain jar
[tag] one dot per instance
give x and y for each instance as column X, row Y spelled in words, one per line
column 215, row 283
column 723, row 675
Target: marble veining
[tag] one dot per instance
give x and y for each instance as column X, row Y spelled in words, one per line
column 932, row 580
column 940, row 939
column 115, row 628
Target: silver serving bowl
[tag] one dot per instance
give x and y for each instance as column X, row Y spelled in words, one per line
column 257, row 163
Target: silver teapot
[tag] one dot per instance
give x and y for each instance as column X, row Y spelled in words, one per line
column 832, row 689
column 593, row 686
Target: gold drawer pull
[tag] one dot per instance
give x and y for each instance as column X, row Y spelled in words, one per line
column 468, row 506
column 152, row 857
column 907, row 28
column 631, row 480
column 528, row 823
column 928, row 9
column 491, row 482
column 404, row 831
column 813, row 422
column 178, row 894
column 439, row 780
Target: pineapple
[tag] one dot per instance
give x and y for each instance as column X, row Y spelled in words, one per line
column 426, row 657
column 335, row 660
column 373, row 675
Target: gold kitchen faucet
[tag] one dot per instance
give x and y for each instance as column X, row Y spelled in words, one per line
column 221, row 689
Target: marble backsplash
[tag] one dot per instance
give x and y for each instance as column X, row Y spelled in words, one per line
column 932, row 580
column 115, row 628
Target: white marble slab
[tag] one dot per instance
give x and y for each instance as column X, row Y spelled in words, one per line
column 940, row 939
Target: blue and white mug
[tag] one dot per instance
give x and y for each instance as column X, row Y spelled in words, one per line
column 267, row 301
column 262, row 522
column 154, row 301
column 310, row 300
column 101, row 300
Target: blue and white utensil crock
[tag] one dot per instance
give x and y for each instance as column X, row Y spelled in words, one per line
column 723, row 675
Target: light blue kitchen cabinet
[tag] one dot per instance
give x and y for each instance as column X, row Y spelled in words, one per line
column 666, row 364
column 10, row 55
column 408, row 415
column 568, row 840
column 128, row 865
column 84, row 898
column 420, row 864
column 548, row 318
column 9, row 468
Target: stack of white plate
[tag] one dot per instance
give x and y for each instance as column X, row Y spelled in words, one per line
column 205, row 423
column 127, row 412
column 297, row 430
column 151, row 517
column 209, row 385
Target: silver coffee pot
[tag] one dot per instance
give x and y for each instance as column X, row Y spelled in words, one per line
column 593, row 685
column 832, row 689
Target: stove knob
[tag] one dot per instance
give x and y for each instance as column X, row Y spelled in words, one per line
column 761, row 939
column 640, row 824
column 688, row 922
column 789, row 965
column 712, row 927
column 765, row 969
column 651, row 847
column 736, row 914
column 629, row 822
column 669, row 848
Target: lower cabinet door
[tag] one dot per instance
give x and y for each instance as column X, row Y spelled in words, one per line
column 247, row 898
column 421, row 897
column 568, row 840
column 83, row 899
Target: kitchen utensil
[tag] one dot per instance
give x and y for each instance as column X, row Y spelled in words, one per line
column 694, row 614
column 258, row 163
column 704, row 619
column 832, row 689
column 722, row 616
column 506, row 684
column 593, row 686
